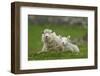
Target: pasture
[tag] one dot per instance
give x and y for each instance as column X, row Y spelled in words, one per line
column 35, row 44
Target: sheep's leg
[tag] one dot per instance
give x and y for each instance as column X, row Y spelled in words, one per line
column 44, row 49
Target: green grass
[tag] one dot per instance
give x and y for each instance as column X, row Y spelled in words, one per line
column 35, row 45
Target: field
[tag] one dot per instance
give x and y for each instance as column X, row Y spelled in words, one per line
column 35, row 44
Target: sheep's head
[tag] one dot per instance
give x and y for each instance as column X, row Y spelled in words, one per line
column 47, row 35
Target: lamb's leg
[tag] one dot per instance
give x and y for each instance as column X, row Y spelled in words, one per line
column 70, row 48
column 76, row 49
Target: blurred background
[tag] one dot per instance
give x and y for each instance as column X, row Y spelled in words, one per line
column 58, row 20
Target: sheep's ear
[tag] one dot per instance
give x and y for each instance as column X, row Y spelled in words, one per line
column 50, row 31
column 45, row 30
column 42, row 35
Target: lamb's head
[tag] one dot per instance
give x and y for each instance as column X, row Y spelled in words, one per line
column 65, row 40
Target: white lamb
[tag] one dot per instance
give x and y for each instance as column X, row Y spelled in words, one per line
column 69, row 46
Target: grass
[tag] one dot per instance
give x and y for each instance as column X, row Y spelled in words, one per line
column 35, row 45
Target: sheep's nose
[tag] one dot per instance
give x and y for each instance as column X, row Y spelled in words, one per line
column 46, row 36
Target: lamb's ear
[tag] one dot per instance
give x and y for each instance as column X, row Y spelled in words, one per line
column 68, row 37
column 60, row 36
column 53, row 33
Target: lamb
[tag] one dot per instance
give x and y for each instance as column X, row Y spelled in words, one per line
column 68, row 45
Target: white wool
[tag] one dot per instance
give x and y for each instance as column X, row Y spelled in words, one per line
column 52, row 41
column 68, row 45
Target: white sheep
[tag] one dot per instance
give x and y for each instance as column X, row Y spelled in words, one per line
column 51, row 42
